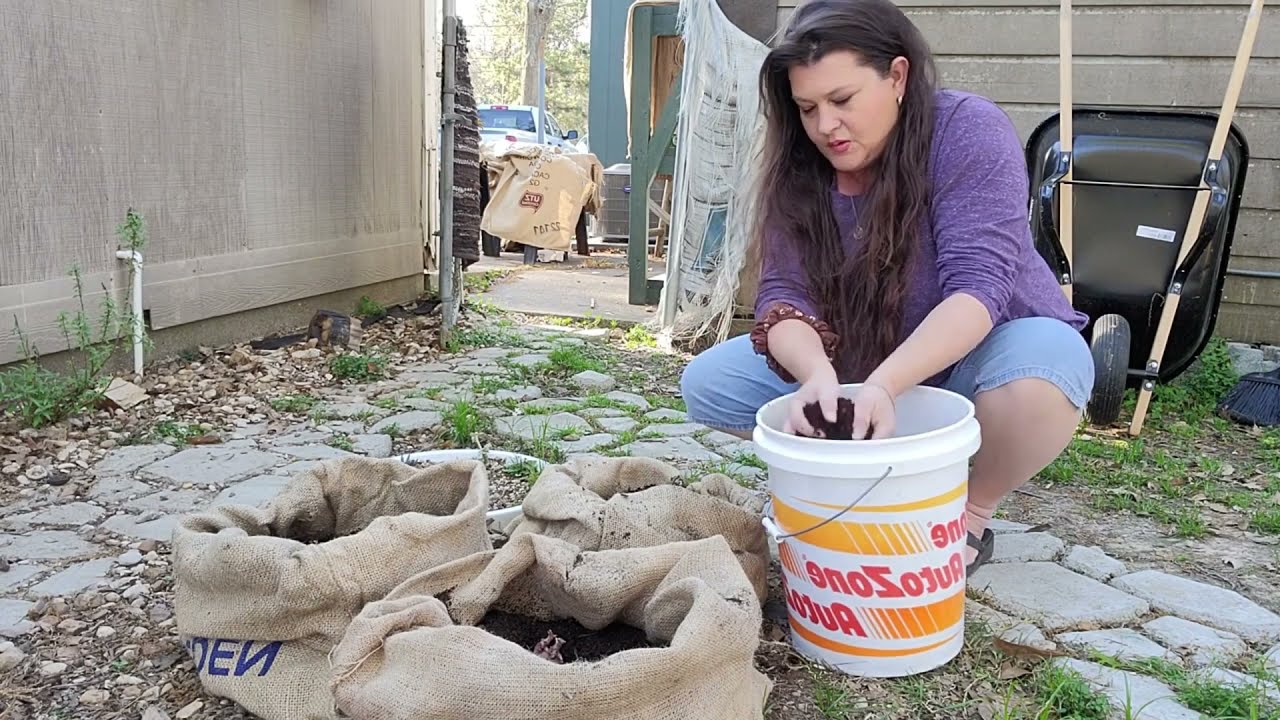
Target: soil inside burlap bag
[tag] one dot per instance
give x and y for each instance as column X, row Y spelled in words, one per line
column 423, row 652
column 616, row 503
column 262, row 596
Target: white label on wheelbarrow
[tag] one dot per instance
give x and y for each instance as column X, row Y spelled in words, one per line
column 1155, row 233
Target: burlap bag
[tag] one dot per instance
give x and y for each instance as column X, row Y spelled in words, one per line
column 538, row 197
column 263, row 595
column 615, row 503
column 404, row 658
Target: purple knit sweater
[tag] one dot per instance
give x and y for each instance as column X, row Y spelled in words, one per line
column 978, row 240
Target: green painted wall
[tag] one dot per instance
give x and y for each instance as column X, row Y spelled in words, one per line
column 607, row 107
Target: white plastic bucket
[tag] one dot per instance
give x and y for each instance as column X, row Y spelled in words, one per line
column 878, row 591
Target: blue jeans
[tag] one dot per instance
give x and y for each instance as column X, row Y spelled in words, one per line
column 724, row 386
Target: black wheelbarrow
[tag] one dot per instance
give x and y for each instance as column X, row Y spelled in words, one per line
column 1135, row 211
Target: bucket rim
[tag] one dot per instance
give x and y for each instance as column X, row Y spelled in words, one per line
column 763, row 430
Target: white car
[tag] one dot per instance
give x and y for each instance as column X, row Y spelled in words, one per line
column 519, row 123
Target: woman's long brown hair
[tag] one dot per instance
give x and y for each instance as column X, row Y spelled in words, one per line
column 861, row 296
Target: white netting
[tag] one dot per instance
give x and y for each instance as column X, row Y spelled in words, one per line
column 718, row 140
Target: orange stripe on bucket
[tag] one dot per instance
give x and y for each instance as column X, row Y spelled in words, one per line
column 846, row 649
column 904, row 623
column 951, row 495
column 896, row 539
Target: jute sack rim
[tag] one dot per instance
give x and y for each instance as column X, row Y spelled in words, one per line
column 698, row 623
column 226, row 544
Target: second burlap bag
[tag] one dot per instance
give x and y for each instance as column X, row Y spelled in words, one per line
column 262, row 596
column 616, row 503
column 418, row 655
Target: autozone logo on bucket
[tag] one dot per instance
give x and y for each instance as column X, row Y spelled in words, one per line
column 836, row 594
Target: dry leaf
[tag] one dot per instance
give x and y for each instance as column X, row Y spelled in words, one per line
column 1025, row 651
column 1010, row 670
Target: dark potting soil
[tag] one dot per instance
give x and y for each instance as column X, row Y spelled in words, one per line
column 579, row 644
column 841, row 429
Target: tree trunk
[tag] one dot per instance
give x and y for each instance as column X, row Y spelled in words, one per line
column 538, row 15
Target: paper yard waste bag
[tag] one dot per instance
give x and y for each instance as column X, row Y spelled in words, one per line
column 538, row 197
column 613, row 503
column 262, row 596
column 419, row 656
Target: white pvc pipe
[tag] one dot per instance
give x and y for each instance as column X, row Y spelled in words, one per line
column 441, row 456
column 135, row 258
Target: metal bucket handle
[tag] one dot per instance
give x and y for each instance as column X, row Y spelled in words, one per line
column 771, row 526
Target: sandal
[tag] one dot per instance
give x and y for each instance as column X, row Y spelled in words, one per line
column 985, row 547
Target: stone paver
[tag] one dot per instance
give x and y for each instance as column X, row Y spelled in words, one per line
column 214, row 465
column 1200, row 644
column 124, row 460
column 617, row 424
column 541, row 427
column 677, row 449
column 13, row 618
column 629, row 399
column 74, row 579
column 19, row 574
column 75, row 514
column 1038, row 592
column 1093, row 562
column 1119, row 643
column 376, row 445
column 1026, row 547
column 255, row 491
column 673, row 429
column 1206, row 604
column 592, row 381
column 411, row 421
column 1053, row 597
column 1132, row 695
column 46, row 545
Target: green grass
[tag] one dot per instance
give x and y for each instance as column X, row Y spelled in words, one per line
column 294, row 403
column 1187, row 459
column 359, row 367
column 463, row 421
column 342, row 442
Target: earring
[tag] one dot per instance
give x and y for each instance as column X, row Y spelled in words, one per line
column 899, row 100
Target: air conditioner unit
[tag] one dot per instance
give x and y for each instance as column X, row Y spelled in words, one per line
column 612, row 221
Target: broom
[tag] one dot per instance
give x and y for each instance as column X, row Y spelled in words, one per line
column 1255, row 400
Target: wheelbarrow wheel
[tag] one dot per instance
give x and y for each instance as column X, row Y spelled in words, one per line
column 1110, row 345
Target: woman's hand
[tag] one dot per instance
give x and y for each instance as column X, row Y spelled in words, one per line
column 874, row 411
column 823, row 388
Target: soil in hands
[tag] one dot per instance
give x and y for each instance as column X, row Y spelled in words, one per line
column 580, row 644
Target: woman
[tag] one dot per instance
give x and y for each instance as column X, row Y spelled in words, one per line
column 897, row 252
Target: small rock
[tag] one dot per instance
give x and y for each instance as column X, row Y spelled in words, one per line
column 189, row 710
column 105, row 632
column 137, row 590
column 72, row 626
column 666, row 415
column 593, row 381
column 52, row 669
column 1272, row 660
column 10, row 656
column 520, row 394
column 308, row 354
column 96, row 696
column 155, row 713
column 148, row 546
column 1093, row 562
column 130, row 558
column 531, row 360
column 37, row 472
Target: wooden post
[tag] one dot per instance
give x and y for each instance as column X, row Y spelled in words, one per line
column 1192, row 231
